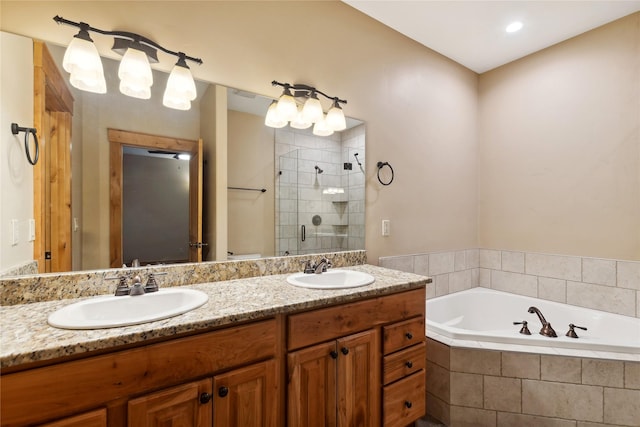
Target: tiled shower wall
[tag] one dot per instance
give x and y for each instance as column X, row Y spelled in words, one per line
column 603, row 284
column 301, row 191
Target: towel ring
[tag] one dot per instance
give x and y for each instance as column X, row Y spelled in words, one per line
column 380, row 166
column 15, row 129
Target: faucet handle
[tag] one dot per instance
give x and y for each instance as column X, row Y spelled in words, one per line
column 525, row 329
column 122, row 289
column 309, row 266
column 152, row 285
column 572, row 333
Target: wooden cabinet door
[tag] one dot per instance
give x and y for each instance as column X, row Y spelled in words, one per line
column 358, row 379
column 178, row 406
column 311, row 393
column 97, row 418
column 247, row 397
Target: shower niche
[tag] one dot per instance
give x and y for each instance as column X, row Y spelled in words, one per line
column 320, row 191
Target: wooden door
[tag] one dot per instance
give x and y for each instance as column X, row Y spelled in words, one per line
column 178, row 406
column 247, row 397
column 358, row 379
column 52, row 109
column 57, row 233
column 97, row 418
column 120, row 138
column 195, row 204
column 312, row 386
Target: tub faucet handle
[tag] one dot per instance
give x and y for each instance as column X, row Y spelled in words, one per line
column 572, row 333
column 525, row 329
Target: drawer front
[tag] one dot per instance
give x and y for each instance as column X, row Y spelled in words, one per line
column 403, row 334
column 404, row 362
column 404, row 401
column 317, row 326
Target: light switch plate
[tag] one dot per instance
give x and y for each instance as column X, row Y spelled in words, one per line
column 386, row 227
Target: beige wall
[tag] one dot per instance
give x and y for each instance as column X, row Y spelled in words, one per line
column 560, row 148
column 420, row 107
column 250, row 164
column 16, row 174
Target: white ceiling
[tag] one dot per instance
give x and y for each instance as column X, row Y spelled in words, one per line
column 472, row 33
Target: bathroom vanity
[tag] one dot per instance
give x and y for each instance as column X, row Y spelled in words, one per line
column 259, row 353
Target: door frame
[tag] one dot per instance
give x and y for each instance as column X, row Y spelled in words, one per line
column 120, row 138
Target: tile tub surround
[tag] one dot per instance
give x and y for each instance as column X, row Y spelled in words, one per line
column 56, row 286
column 27, row 338
column 602, row 284
column 475, row 387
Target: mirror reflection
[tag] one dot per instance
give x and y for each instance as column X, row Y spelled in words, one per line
column 313, row 198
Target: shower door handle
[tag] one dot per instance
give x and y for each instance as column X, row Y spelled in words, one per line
column 303, row 231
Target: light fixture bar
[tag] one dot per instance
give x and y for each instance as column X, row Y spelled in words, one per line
column 132, row 36
column 305, row 90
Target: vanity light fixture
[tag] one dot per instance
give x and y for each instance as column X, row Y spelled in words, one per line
column 82, row 61
column 310, row 112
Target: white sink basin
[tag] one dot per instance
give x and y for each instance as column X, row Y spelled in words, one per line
column 112, row 311
column 332, row 279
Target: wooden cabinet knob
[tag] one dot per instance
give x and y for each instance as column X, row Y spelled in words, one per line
column 409, row 364
column 408, row 404
column 409, row 335
column 223, row 391
column 334, row 354
column 205, row 398
column 345, row 350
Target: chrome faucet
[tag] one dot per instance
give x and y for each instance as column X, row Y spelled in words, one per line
column 311, row 267
column 322, row 266
column 546, row 330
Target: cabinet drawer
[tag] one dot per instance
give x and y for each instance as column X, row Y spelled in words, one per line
column 404, row 362
column 404, row 401
column 403, row 334
column 325, row 324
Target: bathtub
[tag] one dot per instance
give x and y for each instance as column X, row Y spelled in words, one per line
column 486, row 315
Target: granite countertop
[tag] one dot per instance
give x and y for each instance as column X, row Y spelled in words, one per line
column 26, row 337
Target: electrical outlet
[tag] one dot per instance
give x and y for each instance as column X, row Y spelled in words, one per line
column 14, row 232
column 386, row 227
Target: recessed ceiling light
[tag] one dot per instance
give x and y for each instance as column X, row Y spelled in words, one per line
column 513, row 27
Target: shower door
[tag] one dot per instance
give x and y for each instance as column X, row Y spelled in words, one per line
column 313, row 203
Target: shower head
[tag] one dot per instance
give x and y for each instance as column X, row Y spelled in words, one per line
column 357, row 159
column 318, row 170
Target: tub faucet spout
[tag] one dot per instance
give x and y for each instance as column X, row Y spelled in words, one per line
column 546, row 330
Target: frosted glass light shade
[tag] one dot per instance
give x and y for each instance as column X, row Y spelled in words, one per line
column 135, row 74
column 135, row 89
column 300, row 122
column 312, row 110
column 321, row 128
column 82, row 60
column 180, row 90
column 272, row 118
column 181, row 83
column 175, row 102
column 287, row 108
column 335, row 118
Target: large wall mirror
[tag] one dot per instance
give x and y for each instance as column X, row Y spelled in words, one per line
column 288, row 192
